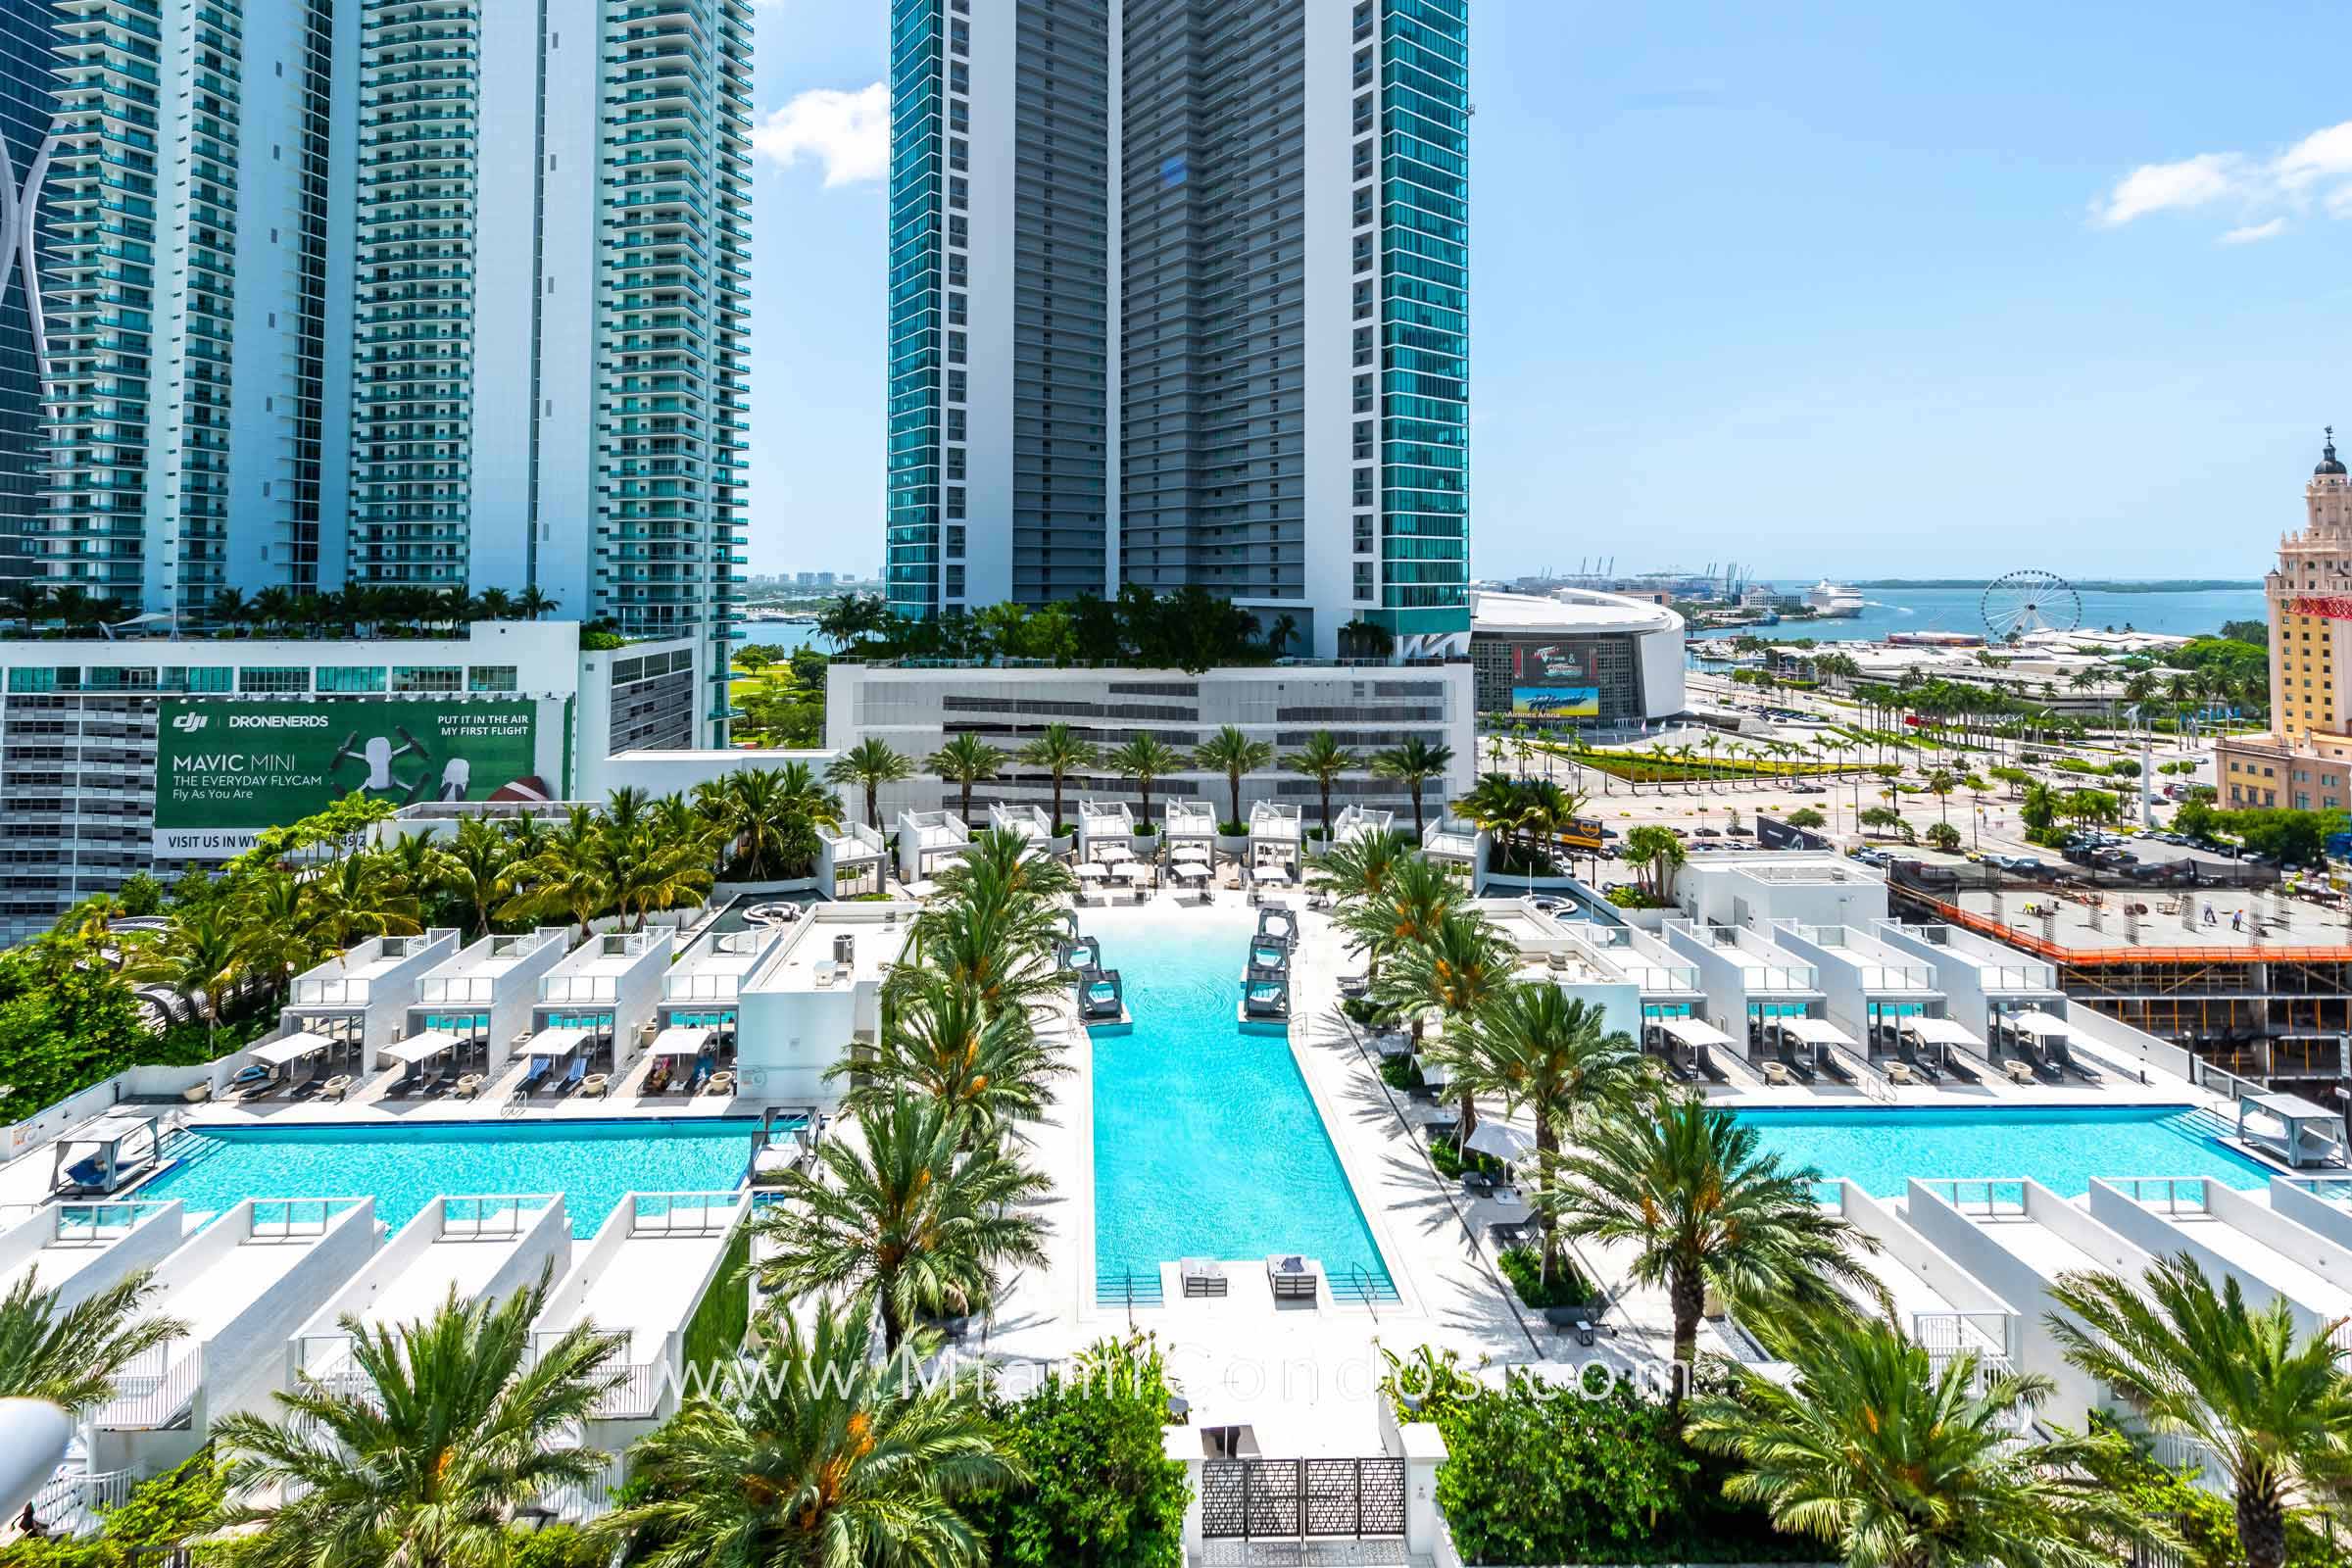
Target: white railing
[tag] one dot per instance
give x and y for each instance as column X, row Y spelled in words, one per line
column 154, row 1388
column 2168, row 1195
column 683, row 1214
column 497, row 1216
column 578, row 988
column 1982, row 1197
column 701, row 987
column 100, row 1224
column 463, row 988
column 72, row 1498
column 286, row 1218
column 579, row 1503
column 331, row 992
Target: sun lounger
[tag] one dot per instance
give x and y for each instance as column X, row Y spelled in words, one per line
column 577, row 1074
column 1201, row 1278
column 703, row 1067
column 1291, row 1278
column 536, row 1070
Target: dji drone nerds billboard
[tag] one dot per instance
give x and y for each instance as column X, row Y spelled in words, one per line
column 226, row 771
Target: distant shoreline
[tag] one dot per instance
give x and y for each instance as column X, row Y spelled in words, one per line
column 2167, row 585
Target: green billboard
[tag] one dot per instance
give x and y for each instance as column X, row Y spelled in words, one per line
column 225, row 771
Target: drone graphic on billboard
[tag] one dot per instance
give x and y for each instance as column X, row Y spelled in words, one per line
column 1556, row 701
column 226, row 770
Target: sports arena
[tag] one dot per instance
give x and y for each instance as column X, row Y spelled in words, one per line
column 1575, row 657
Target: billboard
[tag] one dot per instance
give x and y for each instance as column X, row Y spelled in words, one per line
column 1542, row 664
column 1581, row 833
column 1556, row 701
column 225, row 771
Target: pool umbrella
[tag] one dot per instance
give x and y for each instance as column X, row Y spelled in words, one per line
column 1502, row 1139
column 1088, row 871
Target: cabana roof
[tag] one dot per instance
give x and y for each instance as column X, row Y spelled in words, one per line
column 1939, row 1032
column 1190, row 819
column 1274, row 821
column 851, row 841
column 934, row 830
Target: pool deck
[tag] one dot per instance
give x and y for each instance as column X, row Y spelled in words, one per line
column 1305, row 1378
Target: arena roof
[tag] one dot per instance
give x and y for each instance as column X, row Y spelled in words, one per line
column 1568, row 611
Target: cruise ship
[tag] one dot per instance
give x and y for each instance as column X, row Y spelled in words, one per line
column 1826, row 597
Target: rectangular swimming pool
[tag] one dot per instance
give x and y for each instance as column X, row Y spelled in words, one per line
column 2060, row 1147
column 1206, row 1142
column 404, row 1167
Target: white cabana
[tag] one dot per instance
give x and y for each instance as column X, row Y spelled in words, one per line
column 680, row 1040
column 1092, row 871
column 1131, row 871
column 1111, row 854
column 1189, row 870
column 1272, row 871
column 1500, row 1139
column 1813, row 1032
column 1436, row 1074
column 424, row 1045
column 554, row 1043
column 1189, row 852
column 290, row 1048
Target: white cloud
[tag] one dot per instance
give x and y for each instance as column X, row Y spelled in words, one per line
column 2166, row 188
column 2263, row 190
column 2252, row 232
column 849, row 132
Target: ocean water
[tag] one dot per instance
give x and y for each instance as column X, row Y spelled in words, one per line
column 1206, row 1142
column 1893, row 610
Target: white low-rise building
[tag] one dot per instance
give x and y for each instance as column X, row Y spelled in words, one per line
column 807, row 1007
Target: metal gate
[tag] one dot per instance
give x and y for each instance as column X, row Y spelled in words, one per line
column 1258, row 1499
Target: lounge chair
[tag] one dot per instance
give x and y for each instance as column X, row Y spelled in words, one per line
column 702, row 1073
column 537, row 1069
column 1293, row 1278
column 576, row 1074
column 1201, row 1278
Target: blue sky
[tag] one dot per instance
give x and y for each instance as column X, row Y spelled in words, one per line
column 1857, row 289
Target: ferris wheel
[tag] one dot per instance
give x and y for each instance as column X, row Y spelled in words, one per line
column 2027, row 602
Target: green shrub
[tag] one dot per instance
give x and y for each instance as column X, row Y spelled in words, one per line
column 161, row 1514
column 1626, row 896
column 1103, row 1493
column 2207, row 1522
column 1544, row 1474
column 1523, row 1266
column 714, row 1333
column 1400, row 1072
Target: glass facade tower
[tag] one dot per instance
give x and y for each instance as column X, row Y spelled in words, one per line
column 1178, row 297
column 28, row 107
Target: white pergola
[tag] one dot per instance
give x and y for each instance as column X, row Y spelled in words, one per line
column 1104, row 822
column 1029, row 821
column 852, row 848
column 1275, row 833
column 1360, row 823
column 928, row 840
column 1443, row 838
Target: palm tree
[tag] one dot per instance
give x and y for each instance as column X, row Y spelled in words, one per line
column 1655, row 852
column 768, row 817
column 940, row 1038
column 1001, row 946
column 275, row 944
column 28, row 601
column 496, row 603
column 1414, row 764
column 1940, row 784
column 1691, row 1190
column 1454, row 970
column 909, row 1221
column 822, row 1456
column 356, row 898
column 71, row 1357
column 1892, row 1463
column 2274, row 1411
column 1411, row 900
column 198, row 958
column 1142, row 759
column 531, row 603
column 964, row 762
column 869, row 765
column 643, row 869
column 1059, row 753
column 1533, row 1046
column 429, row 1466
column 1233, row 754
column 566, row 877
column 1324, row 759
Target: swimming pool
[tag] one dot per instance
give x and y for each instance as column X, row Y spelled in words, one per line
column 2060, row 1147
column 1206, row 1143
column 404, row 1167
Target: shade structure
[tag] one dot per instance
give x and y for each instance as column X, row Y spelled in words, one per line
column 1272, row 873
column 556, row 1041
column 422, row 1046
column 922, row 889
column 1089, row 871
column 1813, row 1031
column 1939, row 1032
column 1131, row 871
column 1187, row 871
column 2038, row 1022
column 290, row 1048
column 1693, row 1032
column 1109, row 854
column 1502, row 1139
column 1436, row 1074
column 1190, row 851
column 682, row 1040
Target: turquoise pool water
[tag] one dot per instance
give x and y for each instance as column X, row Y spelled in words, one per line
column 405, row 1167
column 1207, row 1144
column 2061, row 1148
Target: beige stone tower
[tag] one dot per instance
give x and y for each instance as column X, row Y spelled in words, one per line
column 2305, row 761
